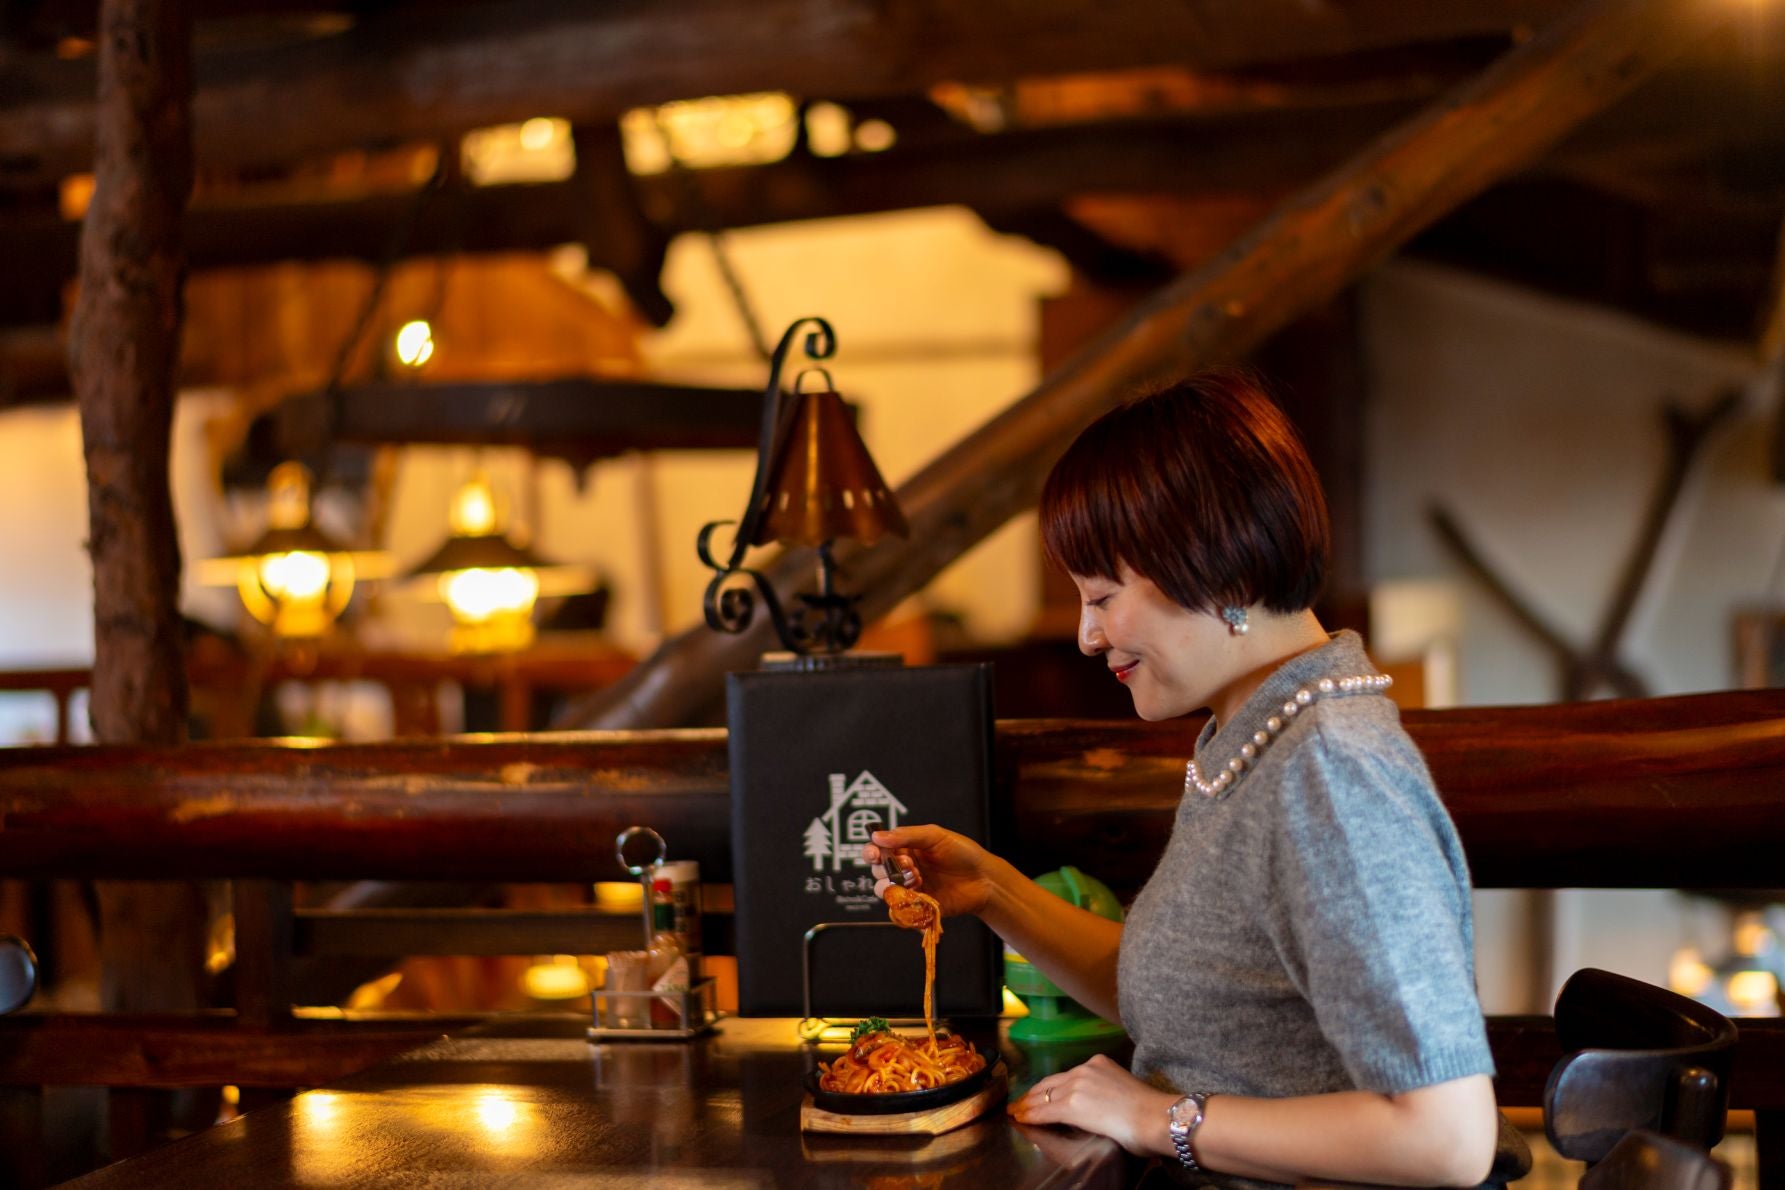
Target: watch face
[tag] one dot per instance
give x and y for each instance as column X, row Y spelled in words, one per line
column 1189, row 1105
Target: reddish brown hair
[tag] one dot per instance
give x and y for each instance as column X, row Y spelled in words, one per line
column 1204, row 488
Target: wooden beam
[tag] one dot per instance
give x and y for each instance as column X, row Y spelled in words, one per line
column 1296, row 260
column 393, row 933
column 579, row 419
column 142, row 1050
column 394, row 77
column 1655, row 793
column 1004, row 174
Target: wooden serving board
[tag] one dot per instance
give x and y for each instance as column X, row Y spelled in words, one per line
column 931, row 1122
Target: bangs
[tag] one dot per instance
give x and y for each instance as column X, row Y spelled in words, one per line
column 1082, row 523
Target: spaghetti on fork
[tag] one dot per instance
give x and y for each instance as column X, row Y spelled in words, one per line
column 882, row 1062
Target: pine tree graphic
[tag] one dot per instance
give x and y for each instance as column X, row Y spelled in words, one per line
column 818, row 843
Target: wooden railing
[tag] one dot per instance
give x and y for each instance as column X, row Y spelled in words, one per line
column 1684, row 792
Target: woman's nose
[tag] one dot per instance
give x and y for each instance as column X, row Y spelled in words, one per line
column 1091, row 640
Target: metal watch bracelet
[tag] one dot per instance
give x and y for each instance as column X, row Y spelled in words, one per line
column 1183, row 1126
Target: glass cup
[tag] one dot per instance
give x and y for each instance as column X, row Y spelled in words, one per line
column 628, row 971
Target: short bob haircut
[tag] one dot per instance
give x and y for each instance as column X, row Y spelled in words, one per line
column 1202, row 487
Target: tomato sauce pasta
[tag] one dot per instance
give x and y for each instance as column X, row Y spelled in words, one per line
column 882, row 1062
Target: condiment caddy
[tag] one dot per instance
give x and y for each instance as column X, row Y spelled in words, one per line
column 657, row 994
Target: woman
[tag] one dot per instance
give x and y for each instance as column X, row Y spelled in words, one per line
column 1297, row 974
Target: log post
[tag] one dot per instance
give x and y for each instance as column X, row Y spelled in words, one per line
column 1297, row 259
column 123, row 349
column 123, row 346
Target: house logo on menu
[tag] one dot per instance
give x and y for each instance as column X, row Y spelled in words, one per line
column 834, row 840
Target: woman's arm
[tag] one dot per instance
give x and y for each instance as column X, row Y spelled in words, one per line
column 1074, row 947
column 1441, row 1135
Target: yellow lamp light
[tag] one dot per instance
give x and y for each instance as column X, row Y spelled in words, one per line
column 414, row 343
column 294, row 578
column 489, row 583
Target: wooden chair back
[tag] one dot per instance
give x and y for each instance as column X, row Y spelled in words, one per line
column 1638, row 1056
column 1646, row 1160
column 18, row 973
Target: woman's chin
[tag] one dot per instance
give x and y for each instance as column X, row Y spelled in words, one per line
column 1147, row 709
column 1150, row 706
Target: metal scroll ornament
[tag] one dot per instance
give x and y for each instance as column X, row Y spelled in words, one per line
column 826, row 622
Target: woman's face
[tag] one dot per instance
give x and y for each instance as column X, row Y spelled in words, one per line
column 1172, row 660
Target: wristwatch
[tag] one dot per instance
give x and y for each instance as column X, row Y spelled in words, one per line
column 1183, row 1119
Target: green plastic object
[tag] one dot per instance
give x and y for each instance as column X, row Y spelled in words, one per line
column 1054, row 1017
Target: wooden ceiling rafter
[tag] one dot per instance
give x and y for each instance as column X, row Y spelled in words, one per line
column 1006, row 175
column 1297, row 258
column 394, row 77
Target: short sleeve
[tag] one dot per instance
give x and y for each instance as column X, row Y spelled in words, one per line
column 1372, row 915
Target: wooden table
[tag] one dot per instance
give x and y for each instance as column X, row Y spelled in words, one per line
column 527, row 1101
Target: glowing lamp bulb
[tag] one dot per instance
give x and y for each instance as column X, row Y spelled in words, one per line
column 1753, row 993
column 299, row 576
column 415, row 343
column 473, row 509
column 559, row 979
column 479, row 595
column 539, row 133
column 1688, row 974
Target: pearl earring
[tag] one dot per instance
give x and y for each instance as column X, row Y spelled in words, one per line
column 1236, row 620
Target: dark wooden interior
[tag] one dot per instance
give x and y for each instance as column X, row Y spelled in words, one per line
column 1620, row 152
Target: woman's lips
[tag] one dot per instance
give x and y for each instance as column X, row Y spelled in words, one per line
column 1123, row 672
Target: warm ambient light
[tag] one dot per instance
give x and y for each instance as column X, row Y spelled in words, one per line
column 297, row 591
column 537, row 134
column 704, row 133
column 560, row 977
column 489, row 583
column 1743, row 983
column 492, row 607
column 293, row 578
column 415, row 343
column 479, row 596
column 875, row 136
column 497, row 1112
column 1688, row 973
column 1753, row 993
column 297, row 576
column 473, row 509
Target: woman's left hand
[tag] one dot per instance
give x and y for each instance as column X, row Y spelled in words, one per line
column 1101, row 1096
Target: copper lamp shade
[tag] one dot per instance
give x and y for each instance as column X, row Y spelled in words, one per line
column 815, row 483
column 822, row 483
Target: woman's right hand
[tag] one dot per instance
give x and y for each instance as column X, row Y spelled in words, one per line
column 952, row 868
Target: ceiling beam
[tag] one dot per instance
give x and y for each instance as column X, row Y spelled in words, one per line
column 422, row 73
column 579, row 419
column 1005, row 176
column 1299, row 257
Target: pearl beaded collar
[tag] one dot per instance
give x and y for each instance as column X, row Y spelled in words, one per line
column 1254, row 748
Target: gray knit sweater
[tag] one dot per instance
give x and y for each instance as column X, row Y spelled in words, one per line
column 1308, row 928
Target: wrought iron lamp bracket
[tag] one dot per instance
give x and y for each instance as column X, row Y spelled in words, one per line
column 827, row 622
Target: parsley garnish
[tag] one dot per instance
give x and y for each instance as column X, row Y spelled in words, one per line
column 874, row 1024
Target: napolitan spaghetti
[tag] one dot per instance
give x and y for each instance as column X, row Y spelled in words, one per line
column 881, row 1062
